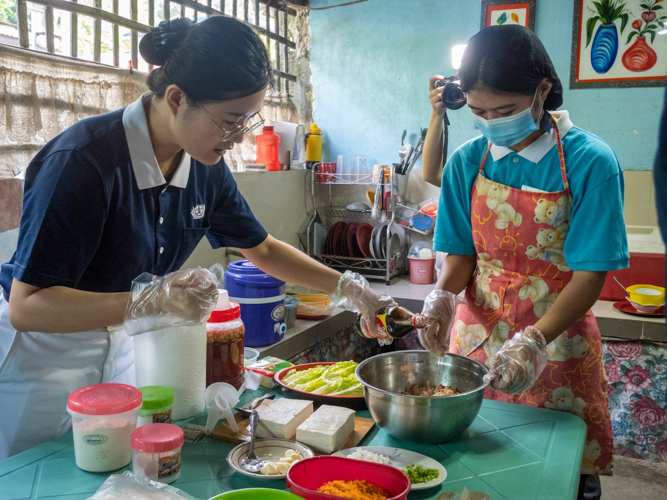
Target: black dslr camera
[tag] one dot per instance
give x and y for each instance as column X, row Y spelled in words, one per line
column 452, row 96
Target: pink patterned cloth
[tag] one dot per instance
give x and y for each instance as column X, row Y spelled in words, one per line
column 521, row 269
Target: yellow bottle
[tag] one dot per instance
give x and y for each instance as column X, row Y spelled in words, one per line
column 313, row 146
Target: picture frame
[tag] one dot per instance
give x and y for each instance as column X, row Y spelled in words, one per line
column 619, row 43
column 517, row 12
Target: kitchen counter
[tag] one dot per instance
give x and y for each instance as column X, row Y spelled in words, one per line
column 305, row 334
column 612, row 323
column 510, row 452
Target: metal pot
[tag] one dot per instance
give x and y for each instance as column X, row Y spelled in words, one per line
column 419, row 419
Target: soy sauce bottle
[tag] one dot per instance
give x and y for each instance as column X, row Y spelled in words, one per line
column 392, row 321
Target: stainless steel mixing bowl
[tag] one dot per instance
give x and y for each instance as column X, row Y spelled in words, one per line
column 422, row 419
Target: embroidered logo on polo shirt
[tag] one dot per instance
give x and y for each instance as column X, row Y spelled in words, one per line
column 198, row 211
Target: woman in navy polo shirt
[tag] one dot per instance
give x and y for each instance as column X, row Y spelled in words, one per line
column 129, row 192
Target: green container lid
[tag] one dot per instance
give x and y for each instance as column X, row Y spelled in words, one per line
column 257, row 494
column 156, row 397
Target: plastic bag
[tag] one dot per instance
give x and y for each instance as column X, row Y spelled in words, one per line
column 129, row 487
column 356, row 294
column 219, row 273
column 517, row 365
column 181, row 298
column 439, row 313
column 314, row 310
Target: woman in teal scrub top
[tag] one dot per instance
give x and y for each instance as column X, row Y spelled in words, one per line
column 531, row 219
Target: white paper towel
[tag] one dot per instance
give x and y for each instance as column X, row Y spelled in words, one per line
column 175, row 358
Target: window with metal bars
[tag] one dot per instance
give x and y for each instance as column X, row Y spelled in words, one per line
column 108, row 31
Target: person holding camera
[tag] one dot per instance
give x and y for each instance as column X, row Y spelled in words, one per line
column 531, row 218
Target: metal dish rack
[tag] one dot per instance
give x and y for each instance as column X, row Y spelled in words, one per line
column 385, row 268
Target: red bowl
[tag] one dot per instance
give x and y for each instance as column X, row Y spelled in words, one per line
column 357, row 403
column 306, row 476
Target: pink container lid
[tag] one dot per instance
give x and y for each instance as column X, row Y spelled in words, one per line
column 104, row 399
column 157, row 438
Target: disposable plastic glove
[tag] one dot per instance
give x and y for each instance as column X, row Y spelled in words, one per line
column 519, row 363
column 354, row 293
column 438, row 314
column 181, row 298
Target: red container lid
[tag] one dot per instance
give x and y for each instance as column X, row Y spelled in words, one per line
column 104, row 399
column 157, row 438
column 225, row 315
column 268, row 128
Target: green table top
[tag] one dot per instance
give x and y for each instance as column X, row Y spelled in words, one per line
column 510, row 452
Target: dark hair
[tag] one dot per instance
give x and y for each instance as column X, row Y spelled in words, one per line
column 509, row 59
column 215, row 60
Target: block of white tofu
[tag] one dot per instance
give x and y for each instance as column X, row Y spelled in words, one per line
column 281, row 417
column 326, row 429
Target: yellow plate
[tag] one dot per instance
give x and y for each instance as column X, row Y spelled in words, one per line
column 647, row 295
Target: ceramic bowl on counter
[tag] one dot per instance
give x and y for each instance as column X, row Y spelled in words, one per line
column 646, row 295
column 420, row 419
column 269, row 450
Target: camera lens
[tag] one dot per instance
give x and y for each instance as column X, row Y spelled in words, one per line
column 453, row 97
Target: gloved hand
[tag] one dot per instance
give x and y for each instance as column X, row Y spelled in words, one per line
column 519, row 363
column 438, row 314
column 356, row 294
column 181, row 298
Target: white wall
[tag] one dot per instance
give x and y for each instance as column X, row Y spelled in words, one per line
column 278, row 200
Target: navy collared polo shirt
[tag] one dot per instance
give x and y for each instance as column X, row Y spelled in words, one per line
column 97, row 211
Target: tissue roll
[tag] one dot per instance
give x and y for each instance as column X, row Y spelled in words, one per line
column 176, row 358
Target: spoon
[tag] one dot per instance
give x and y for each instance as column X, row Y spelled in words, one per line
column 251, row 463
column 621, row 285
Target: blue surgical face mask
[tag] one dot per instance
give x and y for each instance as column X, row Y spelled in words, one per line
column 508, row 130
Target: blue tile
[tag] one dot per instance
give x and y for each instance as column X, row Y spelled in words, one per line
column 506, row 418
column 18, row 484
column 61, row 476
column 491, row 452
column 519, row 482
column 194, row 466
column 534, row 437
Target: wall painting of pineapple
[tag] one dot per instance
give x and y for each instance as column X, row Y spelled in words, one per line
column 619, row 43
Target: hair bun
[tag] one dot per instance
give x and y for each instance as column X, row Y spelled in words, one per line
column 157, row 45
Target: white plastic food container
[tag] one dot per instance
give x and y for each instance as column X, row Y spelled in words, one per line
column 103, row 418
column 157, row 452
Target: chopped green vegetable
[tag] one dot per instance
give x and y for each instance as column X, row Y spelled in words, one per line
column 418, row 474
column 330, row 380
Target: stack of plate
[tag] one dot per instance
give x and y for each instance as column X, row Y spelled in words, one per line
column 350, row 239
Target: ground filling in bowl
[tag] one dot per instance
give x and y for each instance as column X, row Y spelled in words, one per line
column 429, row 390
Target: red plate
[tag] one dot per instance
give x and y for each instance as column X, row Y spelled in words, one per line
column 364, row 235
column 351, row 240
column 338, row 242
column 626, row 307
column 329, row 240
column 353, row 402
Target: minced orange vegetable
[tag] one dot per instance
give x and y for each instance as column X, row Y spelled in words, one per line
column 356, row 490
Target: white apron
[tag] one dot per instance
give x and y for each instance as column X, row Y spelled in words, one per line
column 38, row 371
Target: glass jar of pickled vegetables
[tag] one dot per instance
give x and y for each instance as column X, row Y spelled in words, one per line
column 225, row 332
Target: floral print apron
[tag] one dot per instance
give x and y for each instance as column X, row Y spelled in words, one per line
column 519, row 238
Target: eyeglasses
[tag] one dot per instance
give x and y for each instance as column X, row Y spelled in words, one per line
column 227, row 135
